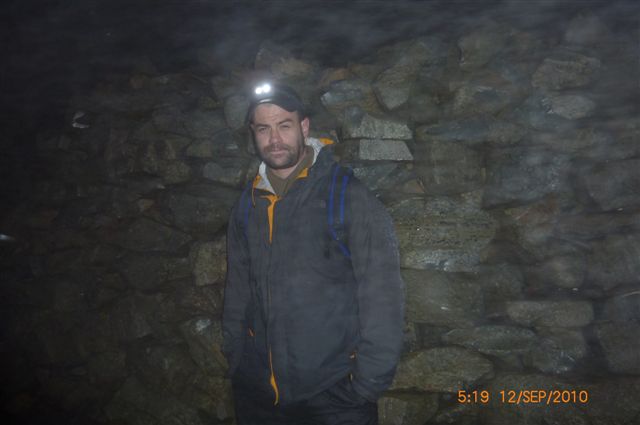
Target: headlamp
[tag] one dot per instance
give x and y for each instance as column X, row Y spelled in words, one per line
column 262, row 89
column 277, row 94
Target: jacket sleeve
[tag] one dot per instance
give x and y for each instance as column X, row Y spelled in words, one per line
column 237, row 294
column 376, row 265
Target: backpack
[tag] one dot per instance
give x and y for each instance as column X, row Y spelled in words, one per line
column 335, row 207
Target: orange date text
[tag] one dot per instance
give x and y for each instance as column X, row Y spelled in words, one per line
column 533, row 396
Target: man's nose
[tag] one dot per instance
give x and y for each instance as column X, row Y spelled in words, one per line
column 274, row 135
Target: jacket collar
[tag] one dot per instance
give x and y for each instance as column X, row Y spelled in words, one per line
column 262, row 182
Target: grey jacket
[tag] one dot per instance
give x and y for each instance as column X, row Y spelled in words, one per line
column 298, row 314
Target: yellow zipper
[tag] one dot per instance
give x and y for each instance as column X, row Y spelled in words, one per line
column 272, row 380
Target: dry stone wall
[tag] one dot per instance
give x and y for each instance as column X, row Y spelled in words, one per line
column 508, row 161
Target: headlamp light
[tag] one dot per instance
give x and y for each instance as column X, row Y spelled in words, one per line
column 264, row 88
column 277, row 94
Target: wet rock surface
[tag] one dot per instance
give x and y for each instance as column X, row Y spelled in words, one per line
column 503, row 145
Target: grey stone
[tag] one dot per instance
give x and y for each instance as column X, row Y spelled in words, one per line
column 393, row 86
column 570, row 106
column 374, row 176
column 561, row 314
column 222, row 86
column 448, row 167
column 494, row 340
column 584, row 142
column 360, row 125
column 231, row 172
column 203, row 124
column 201, row 300
column 581, row 227
column 613, row 401
column 153, row 272
column 566, row 69
column 621, row 346
column 136, row 403
column 442, row 233
column 293, row 68
column 127, row 320
column 424, row 107
column 166, row 147
column 522, row 175
column 535, row 113
column 458, row 413
column 445, row 369
column 440, row 298
column 472, row 131
column 175, row 172
column 478, row 47
column 377, row 150
column 159, row 157
column 221, row 144
column 406, row 409
column 558, row 350
column 204, row 338
column 168, row 119
column 614, row 260
column 624, row 306
column 615, row 185
column 208, row 262
column 235, row 111
column 533, row 228
column 484, row 96
column 565, row 271
column 168, row 368
column 212, row 396
column 500, row 283
column 147, row 235
column 343, row 94
column 200, row 212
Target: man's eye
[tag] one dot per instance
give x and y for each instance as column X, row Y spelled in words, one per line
column 285, row 127
column 262, row 130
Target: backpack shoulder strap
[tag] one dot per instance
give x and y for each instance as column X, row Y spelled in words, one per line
column 336, row 206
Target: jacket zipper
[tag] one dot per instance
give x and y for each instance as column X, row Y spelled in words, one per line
column 273, row 199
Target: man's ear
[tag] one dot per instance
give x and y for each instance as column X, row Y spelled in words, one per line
column 305, row 127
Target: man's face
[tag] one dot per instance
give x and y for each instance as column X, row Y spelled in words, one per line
column 279, row 136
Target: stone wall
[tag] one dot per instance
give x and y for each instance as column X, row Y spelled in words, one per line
column 508, row 159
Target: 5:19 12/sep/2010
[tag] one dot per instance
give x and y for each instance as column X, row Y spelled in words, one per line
column 533, row 396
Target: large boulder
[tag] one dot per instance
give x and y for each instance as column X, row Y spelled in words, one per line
column 444, row 233
column 561, row 314
column 406, row 409
column 361, row 125
column 621, row 346
column 566, row 69
column 494, row 340
column 444, row 369
column 521, row 175
column 440, row 298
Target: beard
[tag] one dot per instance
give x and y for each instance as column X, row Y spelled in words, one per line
column 280, row 156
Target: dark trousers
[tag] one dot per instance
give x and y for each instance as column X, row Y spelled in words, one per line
column 338, row 405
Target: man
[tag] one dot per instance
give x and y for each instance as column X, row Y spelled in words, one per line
column 313, row 317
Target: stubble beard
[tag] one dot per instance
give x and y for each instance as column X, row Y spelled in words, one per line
column 289, row 159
